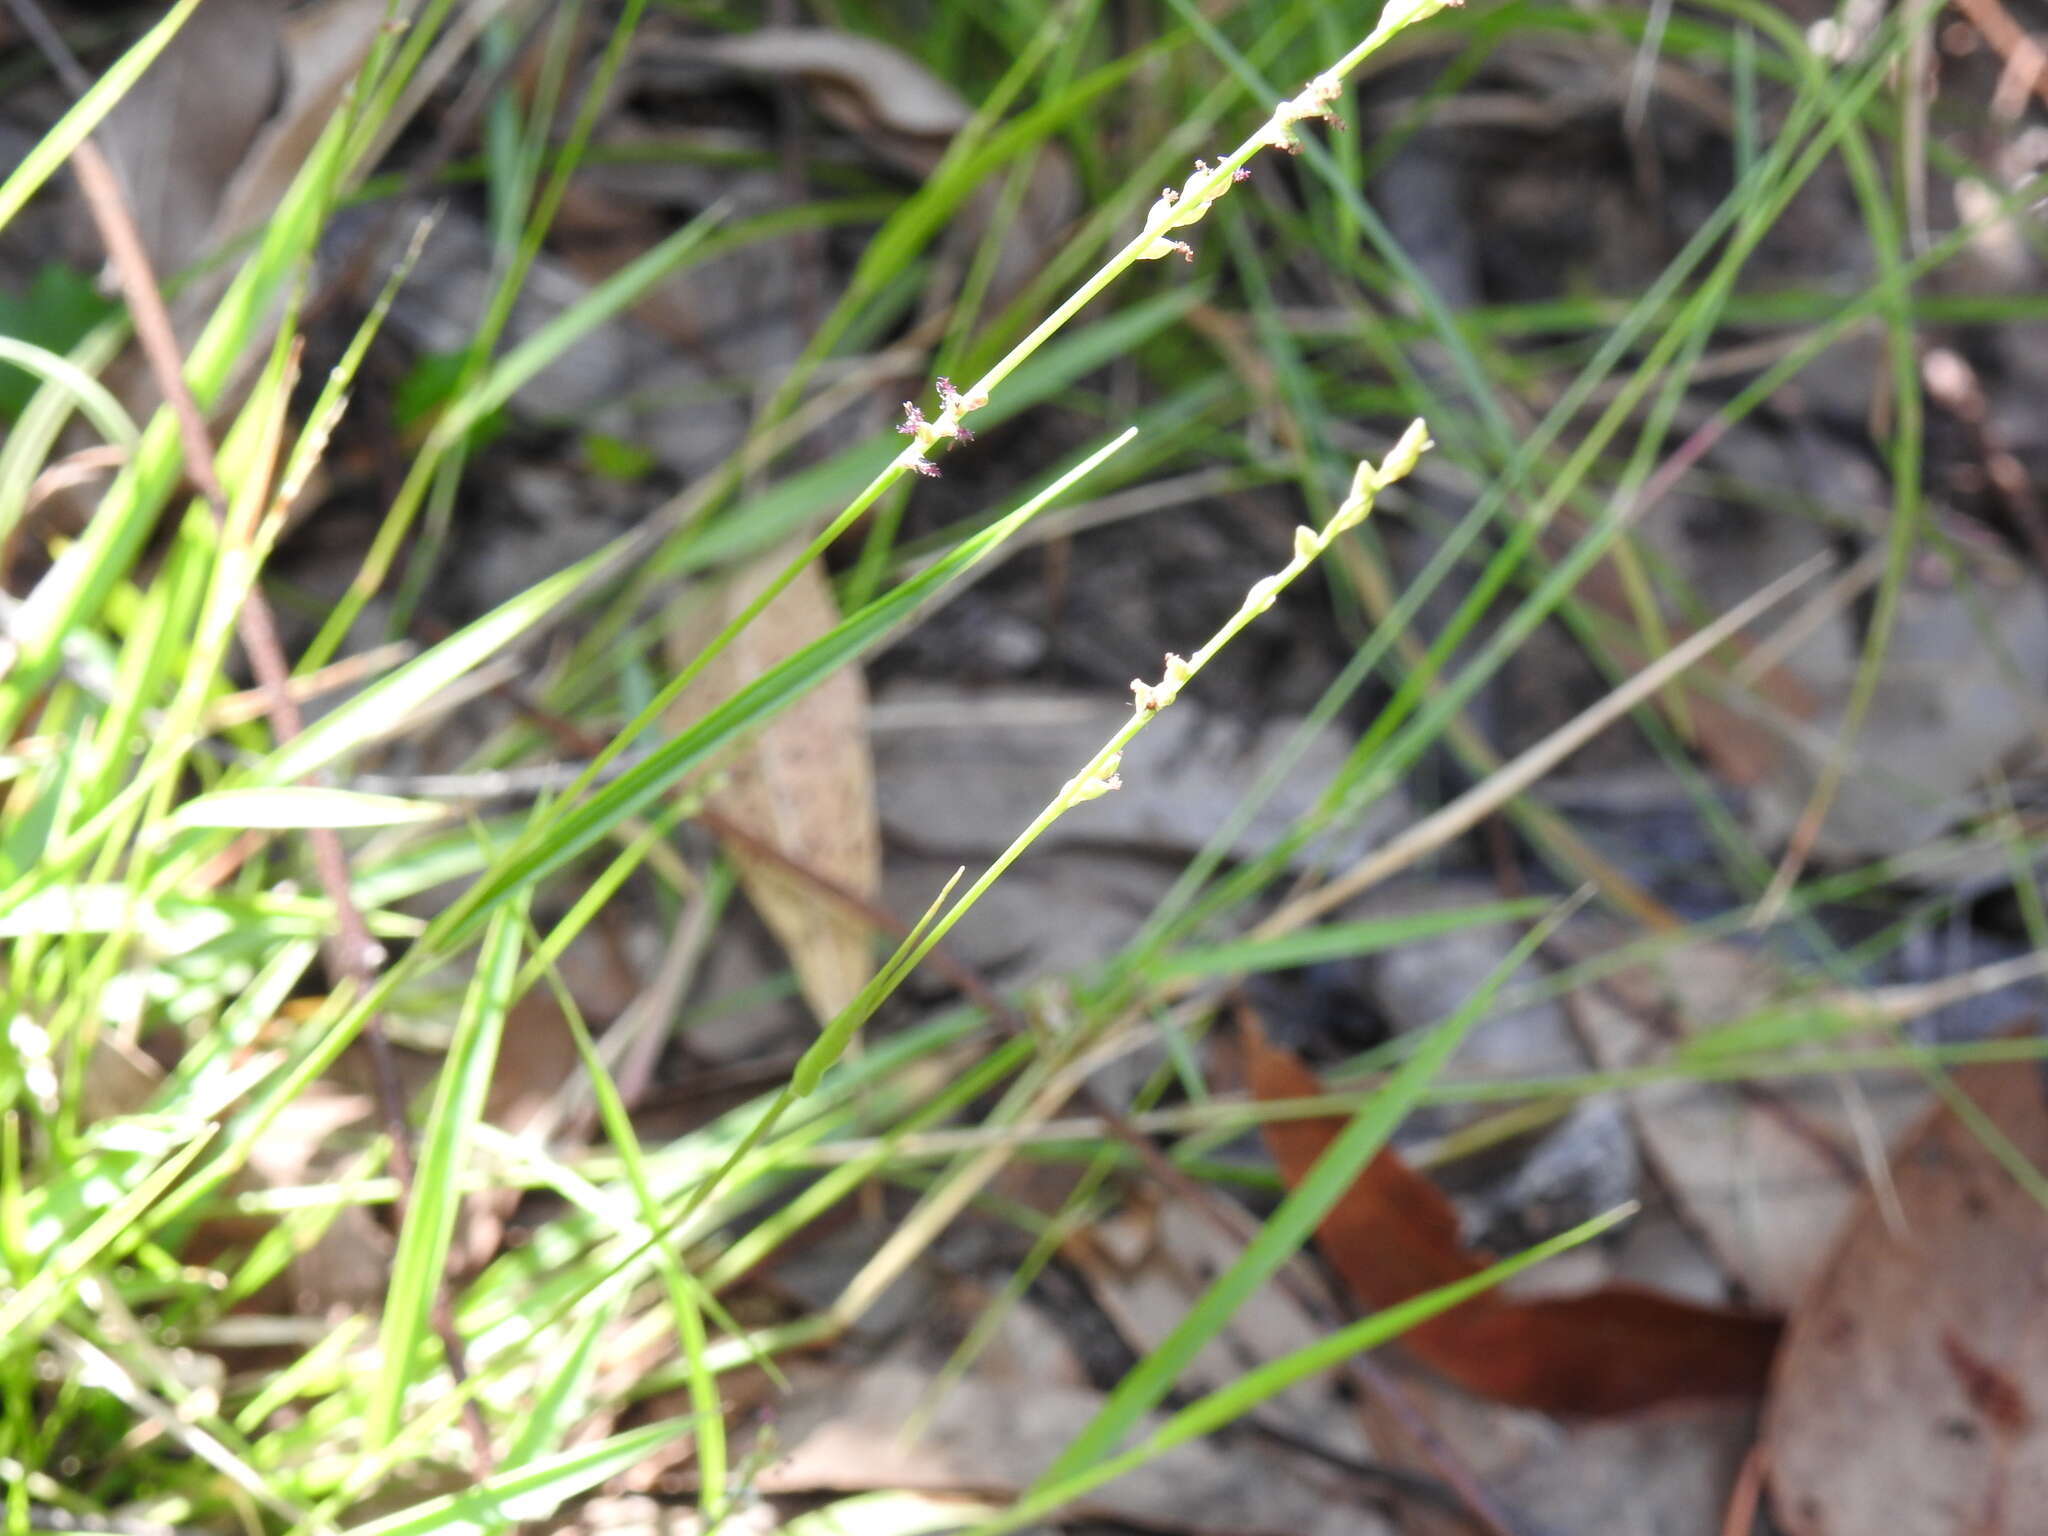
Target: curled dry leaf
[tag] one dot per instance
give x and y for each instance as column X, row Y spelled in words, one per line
column 906, row 115
column 212, row 135
column 1394, row 1236
column 324, row 47
column 178, row 138
column 1908, row 1398
column 872, row 90
column 799, row 792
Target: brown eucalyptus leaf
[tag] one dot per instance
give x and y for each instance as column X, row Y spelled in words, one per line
column 1394, row 1236
column 1908, row 1397
column 798, row 793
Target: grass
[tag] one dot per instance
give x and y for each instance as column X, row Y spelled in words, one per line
column 160, row 870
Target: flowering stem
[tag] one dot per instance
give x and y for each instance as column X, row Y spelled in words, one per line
column 1099, row 776
column 1175, row 210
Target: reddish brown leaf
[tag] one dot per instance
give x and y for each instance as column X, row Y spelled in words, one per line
column 1907, row 1398
column 1394, row 1236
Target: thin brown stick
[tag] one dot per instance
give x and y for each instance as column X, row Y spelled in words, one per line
column 1748, row 1493
column 2026, row 64
column 1396, row 1410
column 353, row 952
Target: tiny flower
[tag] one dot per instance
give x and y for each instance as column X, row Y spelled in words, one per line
column 1242, row 173
column 1152, row 697
column 913, row 423
column 1188, row 205
column 926, row 468
column 1093, row 786
column 1306, row 545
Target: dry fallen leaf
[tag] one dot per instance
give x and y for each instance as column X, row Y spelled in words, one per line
column 1148, row 1268
column 347, row 1264
column 1907, row 1399
column 1667, row 1473
column 324, row 47
column 210, row 138
column 1764, row 1173
column 803, row 785
column 873, row 90
column 842, row 1433
column 177, row 139
column 1395, row 1236
column 962, row 770
column 906, row 115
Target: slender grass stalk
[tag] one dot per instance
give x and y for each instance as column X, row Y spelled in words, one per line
column 1173, row 212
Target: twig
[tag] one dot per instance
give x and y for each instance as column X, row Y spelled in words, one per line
column 1740, row 1519
column 1388, row 1481
column 2026, row 65
column 1389, row 1396
column 353, row 952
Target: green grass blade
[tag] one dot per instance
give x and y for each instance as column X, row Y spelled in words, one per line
column 1227, row 1404
column 640, row 786
column 528, row 1493
column 95, row 401
column 417, row 682
column 87, row 113
column 1337, row 941
column 1299, row 1215
column 299, row 806
column 416, row 1269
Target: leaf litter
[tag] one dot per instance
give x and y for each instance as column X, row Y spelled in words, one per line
column 1614, row 1350
column 1908, row 1395
column 1889, row 1390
